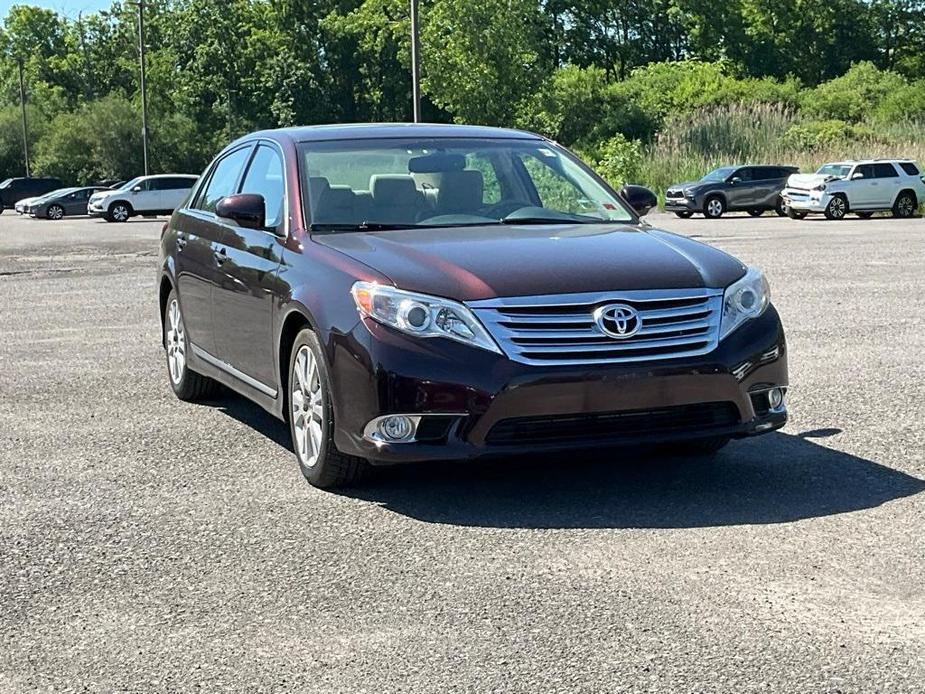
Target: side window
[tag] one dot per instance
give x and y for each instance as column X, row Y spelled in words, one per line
column 909, row 168
column 178, row 183
column 763, row 173
column 265, row 177
column 866, row 171
column 745, row 173
column 491, row 190
column 224, row 179
column 885, row 170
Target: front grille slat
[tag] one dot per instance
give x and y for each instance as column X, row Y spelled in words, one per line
column 560, row 329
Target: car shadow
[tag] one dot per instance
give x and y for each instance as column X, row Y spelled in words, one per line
column 776, row 478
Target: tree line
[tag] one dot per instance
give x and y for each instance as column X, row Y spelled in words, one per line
column 582, row 71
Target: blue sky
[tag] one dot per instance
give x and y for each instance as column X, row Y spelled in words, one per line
column 71, row 8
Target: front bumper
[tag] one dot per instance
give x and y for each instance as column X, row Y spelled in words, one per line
column 95, row 209
column 492, row 404
column 684, row 204
column 805, row 201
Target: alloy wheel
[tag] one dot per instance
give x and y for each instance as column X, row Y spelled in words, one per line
column 837, row 208
column 120, row 213
column 55, row 212
column 905, row 206
column 176, row 342
column 715, row 207
column 307, row 403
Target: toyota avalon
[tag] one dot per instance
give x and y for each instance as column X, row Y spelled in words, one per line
column 404, row 293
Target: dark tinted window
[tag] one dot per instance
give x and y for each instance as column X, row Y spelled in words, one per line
column 910, row 168
column 745, row 173
column 866, row 170
column 764, row 173
column 176, row 183
column 265, row 177
column 885, row 170
column 224, row 179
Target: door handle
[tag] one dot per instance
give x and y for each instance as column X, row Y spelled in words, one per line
column 181, row 241
column 221, row 255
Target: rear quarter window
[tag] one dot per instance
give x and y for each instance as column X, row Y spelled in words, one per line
column 909, row 168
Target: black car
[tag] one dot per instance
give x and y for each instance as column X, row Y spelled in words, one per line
column 403, row 293
column 12, row 190
column 66, row 202
column 753, row 189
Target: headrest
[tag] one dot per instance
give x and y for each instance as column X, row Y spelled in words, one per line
column 317, row 185
column 460, row 191
column 393, row 190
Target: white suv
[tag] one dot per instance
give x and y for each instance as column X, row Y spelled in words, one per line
column 861, row 187
column 145, row 195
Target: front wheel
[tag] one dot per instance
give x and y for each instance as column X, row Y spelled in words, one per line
column 837, row 208
column 55, row 212
column 714, row 207
column 756, row 212
column 796, row 214
column 780, row 207
column 311, row 418
column 905, row 205
column 118, row 212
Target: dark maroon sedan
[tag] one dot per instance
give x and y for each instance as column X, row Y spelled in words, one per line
column 416, row 292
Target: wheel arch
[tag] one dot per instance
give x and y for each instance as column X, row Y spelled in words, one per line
column 131, row 209
column 911, row 191
column 163, row 293
column 296, row 319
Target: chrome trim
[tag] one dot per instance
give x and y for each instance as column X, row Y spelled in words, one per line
column 530, row 335
column 231, row 371
column 371, row 430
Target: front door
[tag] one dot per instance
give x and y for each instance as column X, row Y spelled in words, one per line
column 76, row 202
column 249, row 282
column 862, row 192
column 144, row 197
column 740, row 193
column 198, row 233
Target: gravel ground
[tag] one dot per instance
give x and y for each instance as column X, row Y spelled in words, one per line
column 152, row 545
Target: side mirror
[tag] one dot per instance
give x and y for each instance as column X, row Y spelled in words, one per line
column 734, row 180
column 640, row 198
column 136, row 189
column 247, row 209
column 857, row 175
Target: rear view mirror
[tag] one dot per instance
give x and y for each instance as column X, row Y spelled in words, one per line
column 640, row 198
column 247, row 209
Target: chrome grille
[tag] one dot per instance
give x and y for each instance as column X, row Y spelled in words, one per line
column 561, row 329
column 674, row 194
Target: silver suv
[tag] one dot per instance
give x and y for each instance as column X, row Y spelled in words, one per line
column 861, row 187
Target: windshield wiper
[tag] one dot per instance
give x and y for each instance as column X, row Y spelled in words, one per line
column 549, row 220
column 362, row 226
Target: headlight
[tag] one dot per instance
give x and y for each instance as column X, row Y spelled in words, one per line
column 743, row 300
column 421, row 315
column 820, row 187
column 689, row 193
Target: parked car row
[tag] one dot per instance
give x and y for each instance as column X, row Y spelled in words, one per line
column 46, row 198
column 859, row 187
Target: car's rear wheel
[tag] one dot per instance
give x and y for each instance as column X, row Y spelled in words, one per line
column 684, row 214
column 118, row 212
column 756, row 212
column 837, row 207
column 311, row 418
column 905, row 205
column 55, row 212
column 713, row 207
column 186, row 383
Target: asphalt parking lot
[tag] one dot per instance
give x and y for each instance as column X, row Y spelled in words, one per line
column 153, row 545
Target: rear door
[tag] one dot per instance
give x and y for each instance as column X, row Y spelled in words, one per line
column 766, row 185
column 886, row 184
column 174, row 190
column 248, row 281
column 197, row 236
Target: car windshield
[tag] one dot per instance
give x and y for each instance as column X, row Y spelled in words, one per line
column 720, row 174
column 6, row 183
column 399, row 183
column 839, row 170
column 59, row 192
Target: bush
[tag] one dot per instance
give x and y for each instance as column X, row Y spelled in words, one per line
column 904, row 104
column 854, row 95
column 818, row 134
column 619, row 160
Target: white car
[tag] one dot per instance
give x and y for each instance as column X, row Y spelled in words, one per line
column 145, row 195
column 861, row 187
column 22, row 205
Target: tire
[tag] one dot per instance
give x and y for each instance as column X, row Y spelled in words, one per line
column 684, row 215
column 864, row 215
column 714, row 207
column 187, row 384
column 796, row 214
column 311, row 418
column 779, row 207
column 55, row 212
column 905, row 205
column 119, row 212
column 837, row 208
column 756, row 213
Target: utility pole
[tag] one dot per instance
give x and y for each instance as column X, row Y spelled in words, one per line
column 415, row 61
column 144, row 90
column 25, row 126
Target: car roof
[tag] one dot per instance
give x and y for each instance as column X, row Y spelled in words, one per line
column 369, row 131
column 170, row 176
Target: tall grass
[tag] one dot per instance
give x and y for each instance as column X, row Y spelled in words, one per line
column 688, row 147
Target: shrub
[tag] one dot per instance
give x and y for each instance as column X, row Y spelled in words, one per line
column 818, row 134
column 854, row 95
column 619, row 160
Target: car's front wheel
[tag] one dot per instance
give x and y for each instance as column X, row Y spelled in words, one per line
column 55, row 212
column 837, row 207
column 311, row 418
column 186, row 383
column 756, row 212
column 796, row 214
column 714, row 207
column 780, row 207
column 905, row 205
column 118, row 212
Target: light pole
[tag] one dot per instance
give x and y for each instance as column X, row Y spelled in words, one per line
column 415, row 61
column 25, row 125
column 143, row 84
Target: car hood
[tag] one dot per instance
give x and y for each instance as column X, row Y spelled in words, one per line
column 808, row 181
column 469, row 263
column 686, row 184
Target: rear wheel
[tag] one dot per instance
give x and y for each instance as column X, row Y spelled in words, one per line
column 756, row 213
column 186, row 383
column 837, row 207
column 311, row 418
column 55, row 212
column 684, row 214
column 714, row 207
column 905, row 205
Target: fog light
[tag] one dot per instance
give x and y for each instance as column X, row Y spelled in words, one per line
column 396, row 428
column 776, row 398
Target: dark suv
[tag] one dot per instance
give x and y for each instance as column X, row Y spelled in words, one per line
column 753, row 189
column 416, row 292
column 12, row 190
